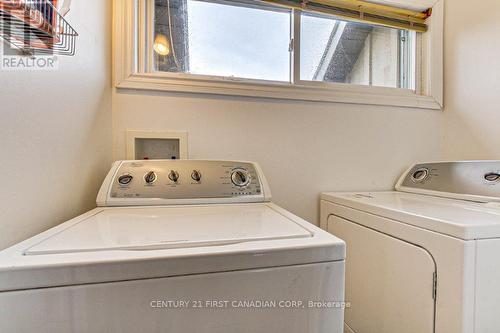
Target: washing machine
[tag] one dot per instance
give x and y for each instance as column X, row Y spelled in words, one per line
column 177, row 246
column 425, row 257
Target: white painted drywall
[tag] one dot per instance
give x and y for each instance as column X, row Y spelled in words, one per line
column 55, row 131
column 472, row 80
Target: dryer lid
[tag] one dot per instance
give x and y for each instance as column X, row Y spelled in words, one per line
column 156, row 228
column 457, row 218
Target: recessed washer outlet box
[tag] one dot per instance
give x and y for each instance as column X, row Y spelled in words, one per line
column 156, row 145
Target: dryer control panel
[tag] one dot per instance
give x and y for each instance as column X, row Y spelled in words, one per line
column 163, row 182
column 468, row 180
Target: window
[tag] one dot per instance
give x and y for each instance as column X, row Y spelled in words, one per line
column 346, row 52
column 223, row 39
column 237, row 40
column 260, row 49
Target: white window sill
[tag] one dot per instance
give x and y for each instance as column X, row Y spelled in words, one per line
column 320, row 92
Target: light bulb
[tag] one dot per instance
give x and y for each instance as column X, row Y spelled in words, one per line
column 161, row 45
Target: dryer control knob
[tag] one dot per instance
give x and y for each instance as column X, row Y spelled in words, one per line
column 125, row 179
column 150, row 177
column 196, row 175
column 173, row 176
column 240, row 178
column 420, row 175
column 492, row 177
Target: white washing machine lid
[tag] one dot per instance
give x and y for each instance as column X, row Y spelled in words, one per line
column 457, row 218
column 127, row 243
column 157, row 228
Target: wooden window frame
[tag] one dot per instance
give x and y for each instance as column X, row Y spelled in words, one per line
column 133, row 68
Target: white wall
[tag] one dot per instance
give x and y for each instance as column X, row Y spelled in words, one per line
column 472, row 77
column 304, row 148
column 55, row 131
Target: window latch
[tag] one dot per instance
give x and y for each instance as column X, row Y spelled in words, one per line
column 290, row 45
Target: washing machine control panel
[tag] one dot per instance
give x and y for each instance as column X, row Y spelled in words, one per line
column 470, row 180
column 183, row 181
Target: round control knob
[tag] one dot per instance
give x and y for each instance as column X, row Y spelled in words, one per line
column 240, row 178
column 196, row 175
column 125, row 179
column 150, row 177
column 173, row 176
column 492, row 177
column 420, row 175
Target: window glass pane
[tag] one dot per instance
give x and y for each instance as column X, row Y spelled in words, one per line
column 348, row 52
column 222, row 39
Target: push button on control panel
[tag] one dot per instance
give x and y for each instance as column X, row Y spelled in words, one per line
column 125, row 179
column 173, row 176
column 150, row 177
